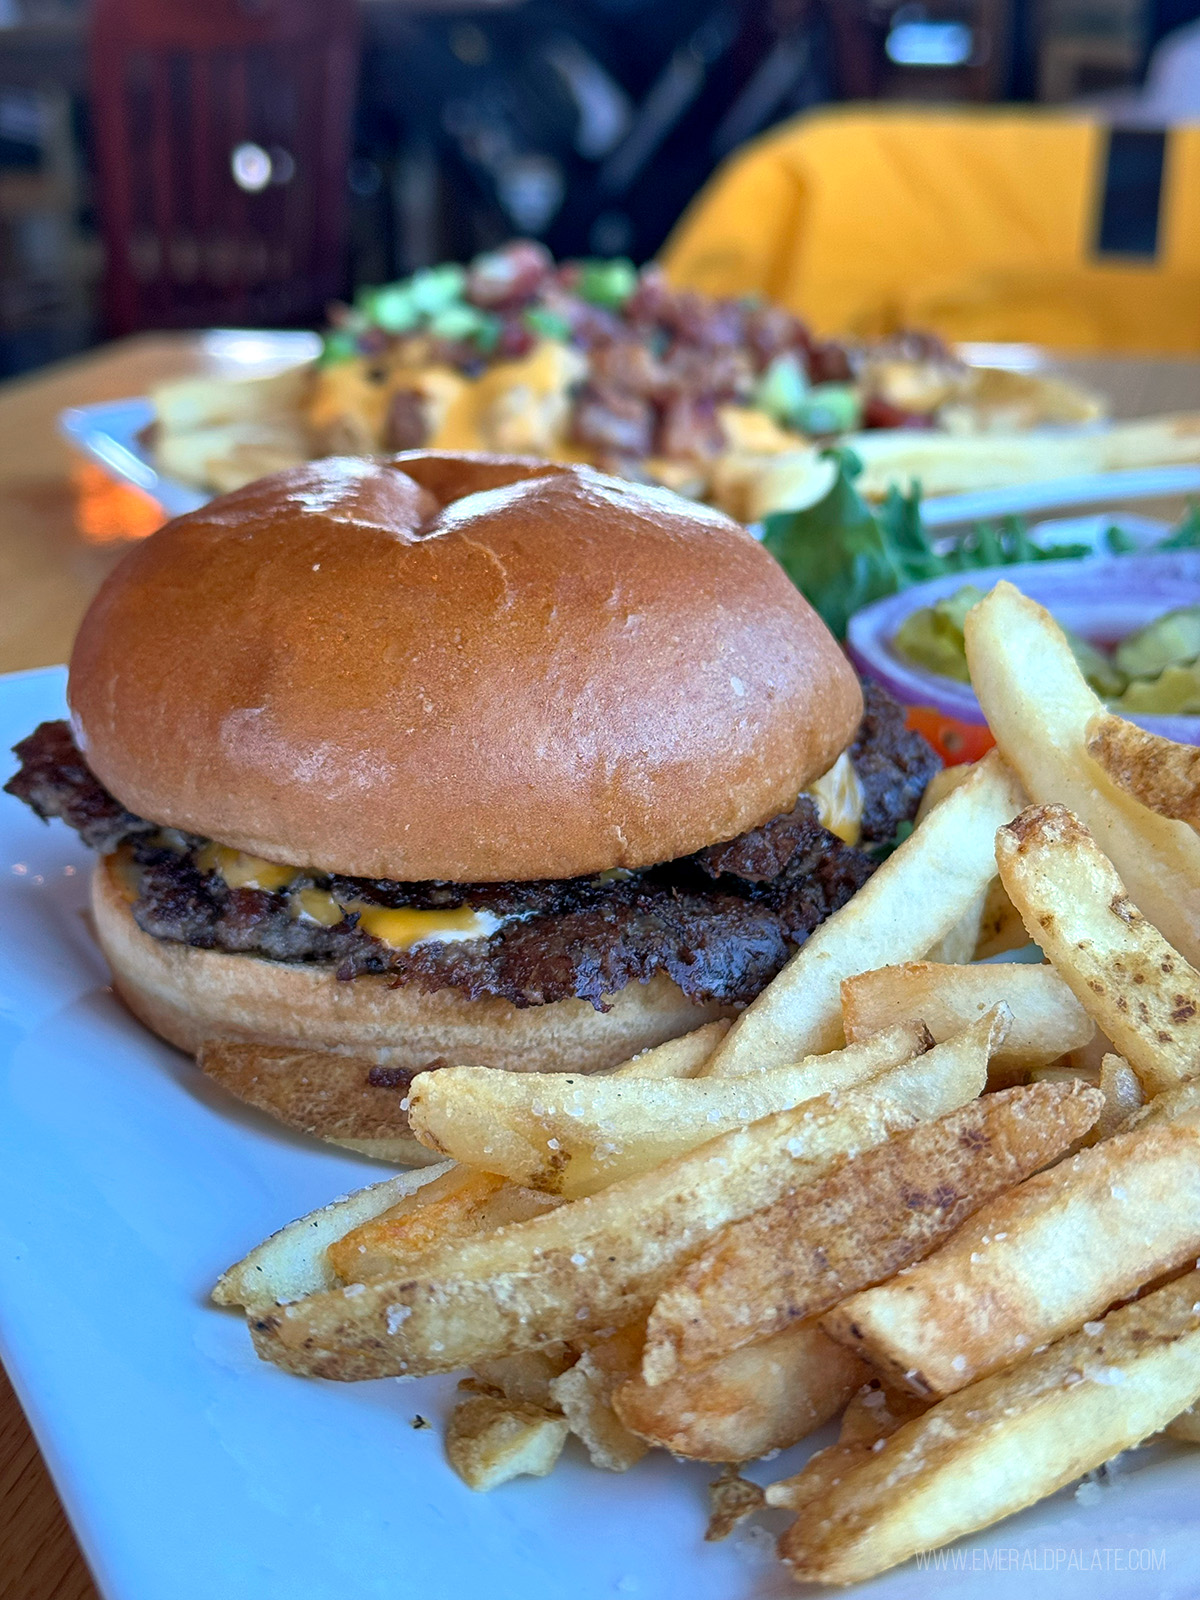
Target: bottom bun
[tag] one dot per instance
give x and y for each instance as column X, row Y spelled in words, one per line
column 191, row 997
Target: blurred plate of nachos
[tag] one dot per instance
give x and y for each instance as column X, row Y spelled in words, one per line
column 729, row 401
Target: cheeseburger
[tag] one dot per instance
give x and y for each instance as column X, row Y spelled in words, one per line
column 458, row 758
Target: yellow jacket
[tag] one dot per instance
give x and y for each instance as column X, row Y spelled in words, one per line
column 981, row 225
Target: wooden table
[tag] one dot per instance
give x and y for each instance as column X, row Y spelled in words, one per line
column 49, row 571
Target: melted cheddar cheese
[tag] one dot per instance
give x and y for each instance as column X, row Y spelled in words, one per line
column 243, row 871
column 839, row 799
column 318, row 905
column 401, row 929
column 519, row 406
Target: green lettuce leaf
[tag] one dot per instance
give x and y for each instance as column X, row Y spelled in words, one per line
column 836, row 552
column 843, row 553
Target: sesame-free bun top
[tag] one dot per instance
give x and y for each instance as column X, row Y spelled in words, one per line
column 461, row 667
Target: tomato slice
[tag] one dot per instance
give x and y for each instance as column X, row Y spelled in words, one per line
column 953, row 740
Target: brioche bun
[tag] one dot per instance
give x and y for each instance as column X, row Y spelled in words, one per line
column 191, row 997
column 465, row 668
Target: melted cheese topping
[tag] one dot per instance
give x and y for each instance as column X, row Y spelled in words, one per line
column 403, row 928
column 317, row 905
column 839, row 799
column 242, row 871
column 400, row 929
column 754, row 431
column 125, row 873
column 515, row 405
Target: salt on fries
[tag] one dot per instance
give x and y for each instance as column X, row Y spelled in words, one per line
column 1036, row 1263
column 1006, row 1441
column 600, row 1261
column 573, row 1135
column 817, row 1209
column 1140, row 990
column 862, row 1224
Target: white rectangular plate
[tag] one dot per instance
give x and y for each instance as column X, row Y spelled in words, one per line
column 110, row 432
column 193, row 1472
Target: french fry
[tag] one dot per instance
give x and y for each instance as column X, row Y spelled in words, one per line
column 1006, row 1441
column 186, row 404
column 958, row 946
column 331, row 1096
column 1169, row 1106
column 226, row 456
column 1156, row 772
column 601, row 1261
column 912, row 901
column 731, row 1499
column 293, row 1262
column 1087, row 1063
column 1000, row 926
column 1186, row 1426
column 943, row 783
column 490, row 1440
column 765, row 1397
column 820, row 1473
column 872, row 1414
column 1040, row 709
column 684, row 1057
column 1123, row 1095
column 527, row 1376
column 584, row 1391
column 464, row 1202
column 1047, row 1022
column 1065, row 1073
column 1142, row 992
column 1035, row 1263
column 460, row 1205
column 956, row 463
column 885, row 1208
column 572, row 1135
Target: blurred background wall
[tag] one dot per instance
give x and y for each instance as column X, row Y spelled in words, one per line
column 588, row 124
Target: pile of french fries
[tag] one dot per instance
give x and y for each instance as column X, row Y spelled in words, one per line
column 957, row 1203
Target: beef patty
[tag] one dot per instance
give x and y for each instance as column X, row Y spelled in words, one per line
column 720, row 923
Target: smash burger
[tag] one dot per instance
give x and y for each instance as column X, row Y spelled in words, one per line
column 460, row 759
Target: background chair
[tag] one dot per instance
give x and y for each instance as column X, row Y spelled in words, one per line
column 222, row 135
column 982, row 225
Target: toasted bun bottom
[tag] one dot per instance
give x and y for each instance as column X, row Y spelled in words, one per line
column 189, row 996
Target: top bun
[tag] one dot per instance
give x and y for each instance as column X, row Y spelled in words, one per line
column 461, row 667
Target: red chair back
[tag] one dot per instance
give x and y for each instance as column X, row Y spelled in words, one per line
column 222, row 137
